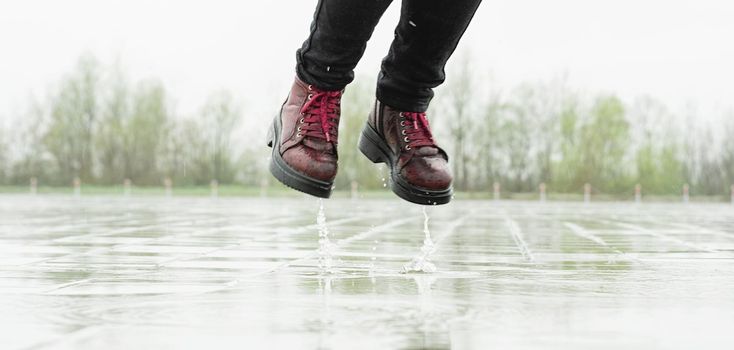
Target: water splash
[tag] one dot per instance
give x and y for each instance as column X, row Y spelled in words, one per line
column 326, row 247
column 422, row 262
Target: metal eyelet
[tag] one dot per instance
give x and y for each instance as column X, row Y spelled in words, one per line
column 406, row 139
column 401, row 115
column 301, row 121
column 310, row 96
column 402, row 123
column 299, row 129
column 404, row 133
column 407, row 148
column 298, row 134
column 310, row 88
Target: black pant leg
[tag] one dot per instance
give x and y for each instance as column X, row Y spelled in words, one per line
column 339, row 34
column 425, row 38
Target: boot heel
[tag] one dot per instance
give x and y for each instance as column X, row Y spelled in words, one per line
column 369, row 147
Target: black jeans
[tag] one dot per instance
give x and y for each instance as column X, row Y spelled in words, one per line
column 425, row 38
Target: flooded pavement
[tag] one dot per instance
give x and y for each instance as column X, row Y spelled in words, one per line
column 179, row 273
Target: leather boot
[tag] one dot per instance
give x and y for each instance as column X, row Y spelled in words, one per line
column 304, row 139
column 403, row 140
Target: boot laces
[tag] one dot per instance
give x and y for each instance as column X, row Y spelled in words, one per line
column 321, row 115
column 416, row 131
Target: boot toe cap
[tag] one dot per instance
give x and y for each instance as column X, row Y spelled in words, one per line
column 312, row 163
column 431, row 173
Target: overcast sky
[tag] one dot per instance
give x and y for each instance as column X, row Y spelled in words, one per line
column 677, row 50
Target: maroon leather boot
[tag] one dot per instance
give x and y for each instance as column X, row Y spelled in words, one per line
column 403, row 140
column 304, row 140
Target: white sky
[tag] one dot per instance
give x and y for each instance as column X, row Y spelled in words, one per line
column 677, row 50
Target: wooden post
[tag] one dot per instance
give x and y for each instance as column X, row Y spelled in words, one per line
column 127, row 187
column 638, row 193
column 587, row 193
column 686, row 194
column 542, row 191
column 34, row 186
column 497, row 189
column 214, row 184
column 168, row 185
column 355, row 188
column 77, row 187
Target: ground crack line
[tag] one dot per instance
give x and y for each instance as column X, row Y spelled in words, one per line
column 516, row 234
column 584, row 233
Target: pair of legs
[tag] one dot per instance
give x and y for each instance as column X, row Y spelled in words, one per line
column 425, row 38
column 304, row 134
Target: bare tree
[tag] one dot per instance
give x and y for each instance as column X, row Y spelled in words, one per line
column 73, row 114
column 457, row 114
column 219, row 117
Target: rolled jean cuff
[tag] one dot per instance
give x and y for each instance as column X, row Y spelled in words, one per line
column 339, row 80
column 402, row 102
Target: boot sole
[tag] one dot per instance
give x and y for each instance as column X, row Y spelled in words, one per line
column 289, row 176
column 374, row 147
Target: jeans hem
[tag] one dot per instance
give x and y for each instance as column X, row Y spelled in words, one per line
column 402, row 103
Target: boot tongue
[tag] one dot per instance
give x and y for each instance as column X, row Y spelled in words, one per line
column 318, row 144
column 426, row 151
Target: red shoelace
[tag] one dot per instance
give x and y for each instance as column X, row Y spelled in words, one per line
column 321, row 115
column 416, row 130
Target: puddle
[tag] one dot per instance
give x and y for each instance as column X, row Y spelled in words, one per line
column 168, row 273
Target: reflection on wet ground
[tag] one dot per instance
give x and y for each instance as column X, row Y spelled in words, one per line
column 177, row 273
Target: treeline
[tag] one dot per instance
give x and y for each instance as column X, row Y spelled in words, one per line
column 547, row 133
column 99, row 127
